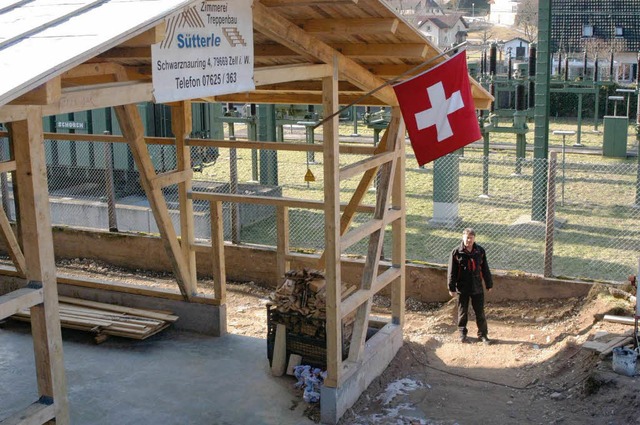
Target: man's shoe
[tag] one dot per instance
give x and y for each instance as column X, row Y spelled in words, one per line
column 484, row 340
column 463, row 338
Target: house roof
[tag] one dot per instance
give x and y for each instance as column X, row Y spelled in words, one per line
column 568, row 17
column 41, row 40
column 517, row 39
column 443, row 21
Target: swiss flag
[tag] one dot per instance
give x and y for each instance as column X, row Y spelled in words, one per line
column 438, row 109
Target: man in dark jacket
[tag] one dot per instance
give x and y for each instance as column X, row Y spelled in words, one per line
column 468, row 268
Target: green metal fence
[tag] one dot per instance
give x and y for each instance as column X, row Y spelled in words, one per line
column 596, row 209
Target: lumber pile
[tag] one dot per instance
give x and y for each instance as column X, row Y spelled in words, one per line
column 107, row 319
column 304, row 292
column 604, row 343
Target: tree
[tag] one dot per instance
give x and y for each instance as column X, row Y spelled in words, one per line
column 527, row 19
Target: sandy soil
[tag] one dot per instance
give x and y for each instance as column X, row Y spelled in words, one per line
column 534, row 372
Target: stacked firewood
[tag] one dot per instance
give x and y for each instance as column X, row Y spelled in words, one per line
column 303, row 291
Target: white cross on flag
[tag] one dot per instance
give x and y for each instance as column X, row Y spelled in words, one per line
column 438, row 110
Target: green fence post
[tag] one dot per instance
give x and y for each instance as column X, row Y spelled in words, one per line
column 267, row 133
column 541, row 114
column 520, row 125
column 485, row 161
column 638, row 130
column 578, row 144
column 354, row 112
column 596, row 112
column 446, row 188
column 252, row 134
column 309, row 126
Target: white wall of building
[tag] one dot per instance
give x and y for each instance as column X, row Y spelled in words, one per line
column 503, row 12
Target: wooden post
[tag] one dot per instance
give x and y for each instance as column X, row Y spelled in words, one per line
column 279, row 359
column 282, row 223
column 110, row 187
column 399, row 229
column 217, row 252
column 40, row 267
column 332, row 227
column 181, row 125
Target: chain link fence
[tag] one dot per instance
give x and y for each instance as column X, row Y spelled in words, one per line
column 96, row 185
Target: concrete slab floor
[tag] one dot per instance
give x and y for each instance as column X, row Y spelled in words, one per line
column 172, row 378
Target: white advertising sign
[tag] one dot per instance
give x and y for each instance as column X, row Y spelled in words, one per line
column 207, row 51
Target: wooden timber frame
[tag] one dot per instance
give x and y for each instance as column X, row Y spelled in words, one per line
column 306, row 52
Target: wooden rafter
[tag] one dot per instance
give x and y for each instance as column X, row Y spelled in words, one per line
column 44, row 94
column 310, row 98
column 292, row 36
column 126, row 53
column 280, row 74
column 309, row 86
column 385, row 50
column 359, row 26
column 82, row 99
column 304, row 3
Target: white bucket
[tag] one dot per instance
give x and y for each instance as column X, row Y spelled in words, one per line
column 624, row 361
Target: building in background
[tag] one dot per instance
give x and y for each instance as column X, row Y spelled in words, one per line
column 443, row 30
column 503, row 11
column 517, row 48
column 604, row 29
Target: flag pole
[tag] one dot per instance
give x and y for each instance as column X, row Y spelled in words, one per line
column 391, row 81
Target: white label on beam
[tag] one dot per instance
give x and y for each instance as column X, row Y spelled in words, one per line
column 207, row 51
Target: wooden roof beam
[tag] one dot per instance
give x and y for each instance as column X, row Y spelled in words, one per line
column 308, row 86
column 82, row 98
column 147, row 38
column 304, row 3
column 93, row 73
column 93, row 69
column 126, row 53
column 389, row 70
column 409, row 50
column 298, row 98
column 288, row 34
column 44, row 94
column 370, row 26
column 282, row 74
column 387, row 50
column 273, row 51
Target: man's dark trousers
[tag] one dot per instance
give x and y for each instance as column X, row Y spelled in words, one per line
column 477, row 302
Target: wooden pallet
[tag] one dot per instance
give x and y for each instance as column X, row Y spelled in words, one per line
column 107, row 319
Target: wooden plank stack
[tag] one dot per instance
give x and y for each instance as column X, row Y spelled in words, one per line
column 107, row 319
